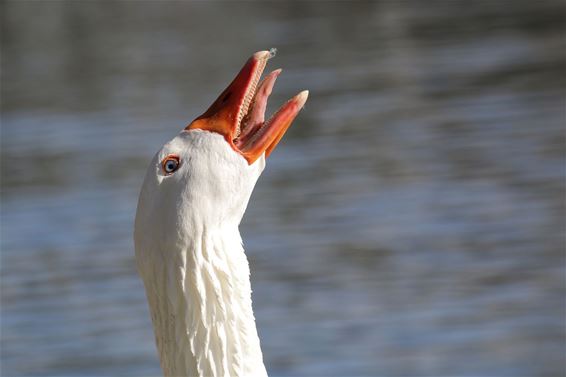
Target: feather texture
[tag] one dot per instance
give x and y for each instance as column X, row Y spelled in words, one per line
column 190, row 256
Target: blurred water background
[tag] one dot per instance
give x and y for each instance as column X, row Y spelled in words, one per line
column 411, row 223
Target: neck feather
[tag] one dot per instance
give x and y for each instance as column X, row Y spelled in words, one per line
column 200, row 301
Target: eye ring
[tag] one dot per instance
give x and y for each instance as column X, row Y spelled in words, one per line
column 170, row 164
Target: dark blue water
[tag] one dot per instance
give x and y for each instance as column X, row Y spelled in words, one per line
column 411, row 223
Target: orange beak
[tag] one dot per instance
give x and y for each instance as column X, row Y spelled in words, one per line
column 238, row 113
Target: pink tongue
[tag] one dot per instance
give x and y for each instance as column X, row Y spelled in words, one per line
column 256, row 115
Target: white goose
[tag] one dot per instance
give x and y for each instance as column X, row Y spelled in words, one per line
column 188, row 247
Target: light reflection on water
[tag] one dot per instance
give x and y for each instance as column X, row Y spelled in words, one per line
column 411, row 223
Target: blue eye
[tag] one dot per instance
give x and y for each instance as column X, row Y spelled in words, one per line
column 170, row 164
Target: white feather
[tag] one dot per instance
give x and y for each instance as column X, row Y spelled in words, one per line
column 190, row 256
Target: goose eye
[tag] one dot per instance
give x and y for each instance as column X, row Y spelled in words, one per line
column 170, row 164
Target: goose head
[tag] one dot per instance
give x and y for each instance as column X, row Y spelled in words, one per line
column 206, row 174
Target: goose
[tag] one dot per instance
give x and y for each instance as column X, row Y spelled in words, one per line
column 188, row 248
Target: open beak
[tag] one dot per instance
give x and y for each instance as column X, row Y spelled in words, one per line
column 239, row 112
